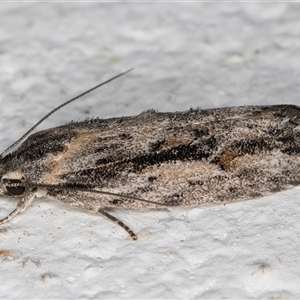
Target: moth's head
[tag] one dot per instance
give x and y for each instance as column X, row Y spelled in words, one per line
column 12, row 184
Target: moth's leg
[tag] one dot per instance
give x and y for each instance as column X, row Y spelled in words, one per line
column 120, row 223
column 22, row 205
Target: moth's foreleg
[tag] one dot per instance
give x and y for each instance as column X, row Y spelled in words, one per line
column 22, row 205
column 120, row 223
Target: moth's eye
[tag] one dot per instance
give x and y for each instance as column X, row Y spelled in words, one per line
column 13, row 183
column 16, row 190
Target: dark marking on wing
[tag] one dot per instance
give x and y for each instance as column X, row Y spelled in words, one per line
column 39, row 145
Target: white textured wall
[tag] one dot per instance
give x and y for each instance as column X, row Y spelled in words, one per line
column 184, row 54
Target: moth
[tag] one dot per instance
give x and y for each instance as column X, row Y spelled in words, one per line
column 152, row 160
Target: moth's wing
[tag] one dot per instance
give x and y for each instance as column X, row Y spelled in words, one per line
column 185, row 158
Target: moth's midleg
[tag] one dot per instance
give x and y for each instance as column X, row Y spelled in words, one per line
column 22, row 205
column 117, row 221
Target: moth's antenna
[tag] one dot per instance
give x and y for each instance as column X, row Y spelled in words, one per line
column 125, row 196
column 56, row 109
column 92, row 190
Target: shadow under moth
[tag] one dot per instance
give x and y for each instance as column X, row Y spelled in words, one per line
column 154, row 159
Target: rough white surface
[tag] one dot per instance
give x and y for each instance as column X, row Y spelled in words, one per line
column 185, row 54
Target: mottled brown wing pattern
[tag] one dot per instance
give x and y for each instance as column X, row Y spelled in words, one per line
column 184, row 158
